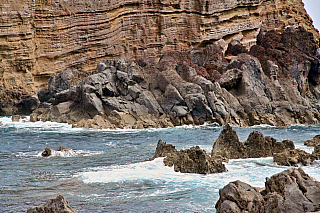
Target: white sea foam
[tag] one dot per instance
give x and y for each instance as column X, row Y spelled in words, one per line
column 70, row 153
column 156, row 171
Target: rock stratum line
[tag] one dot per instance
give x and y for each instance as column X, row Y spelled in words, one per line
column 41, row 37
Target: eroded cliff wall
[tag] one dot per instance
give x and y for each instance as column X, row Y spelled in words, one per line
column 42, row 37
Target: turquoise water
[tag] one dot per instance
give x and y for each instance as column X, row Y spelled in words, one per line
column 108, row 172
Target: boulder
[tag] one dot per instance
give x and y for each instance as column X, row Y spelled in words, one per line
column 57, row 205
column 66, row 151
column 28, row 104
column 193, row 160
column 235, row 48
column 15, row 118
column 61, row 108
column 231, row 78
column 228, row 145
column 299, row 191
column 238, row 196
column 313, row 142
column 291, row 191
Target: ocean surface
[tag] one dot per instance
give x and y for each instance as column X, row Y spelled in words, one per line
column 109, row 173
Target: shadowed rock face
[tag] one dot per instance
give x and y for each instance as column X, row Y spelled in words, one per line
column 14, row 102
column 193, row 160
column 59, row 204
column 291, row 191
column 229, row 146
column 40, row 38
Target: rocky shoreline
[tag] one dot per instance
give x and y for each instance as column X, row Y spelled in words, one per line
column 275, row 83
column 289, row 191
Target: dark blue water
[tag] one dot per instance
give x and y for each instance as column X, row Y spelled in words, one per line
column 108, row 172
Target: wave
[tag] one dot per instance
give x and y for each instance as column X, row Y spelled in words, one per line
column 70, row 153
column 157, row 172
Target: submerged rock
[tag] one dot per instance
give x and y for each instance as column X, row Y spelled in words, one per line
column 291, row 191
column 313, row 142
column 61, row 151
column 228, row 145
column 57, row 205
column 193, row 160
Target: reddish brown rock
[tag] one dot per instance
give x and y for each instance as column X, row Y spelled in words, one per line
column 41, row 38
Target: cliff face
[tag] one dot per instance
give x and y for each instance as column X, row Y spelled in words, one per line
column 42, row 37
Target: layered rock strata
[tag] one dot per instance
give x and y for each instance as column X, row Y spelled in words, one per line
column 291, row 191
column 193, row 160
column 228, row 145
column 40, row 38
column 59, row 204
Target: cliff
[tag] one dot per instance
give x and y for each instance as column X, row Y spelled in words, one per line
column 41, row 37
column 276, row 82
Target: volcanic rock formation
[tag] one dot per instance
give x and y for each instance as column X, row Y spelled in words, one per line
column 291, row 191
column 296, row 157
column 40, row 38
column 195, row 87
column 193, row 160
column 228, row 145
column 313, row 142
column 60, row 204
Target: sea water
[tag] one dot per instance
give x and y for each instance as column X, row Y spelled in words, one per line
column 108, row 172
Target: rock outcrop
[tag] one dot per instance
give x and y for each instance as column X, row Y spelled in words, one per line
column 291, row 191
column 40, row 38
column 228, row 145
column 193, row 160
column 296, row 157
column 14, row 102
column 184, row 88
column 57, row 205
column 313, row 142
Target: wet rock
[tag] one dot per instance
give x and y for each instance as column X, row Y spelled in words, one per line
column 238, row 196
column 193, row 160
column 163, row 149
column 47, row 152
column 57, row 205
column 15, row 118
column 66, row 151
column 229, row 146
column 289, row 191
column 313, row 142
column 299, row 191
column 33, row 117
column 293, row 157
